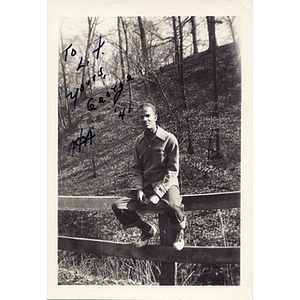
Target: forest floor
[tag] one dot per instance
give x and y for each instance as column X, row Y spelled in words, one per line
column 205, row 228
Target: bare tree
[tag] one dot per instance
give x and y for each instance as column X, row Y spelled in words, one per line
column 124, row 26
column 230, row 23
column 65, row 87
column 178, row 49
column 175, row 42
column 120, row 19
column 211, row 21
column 190, row 148
column 194, row 34
column 215, row 112
column 92, row 23
column 61, row 118
column 143, row 42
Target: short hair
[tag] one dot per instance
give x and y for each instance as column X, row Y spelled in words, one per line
column 147, row 104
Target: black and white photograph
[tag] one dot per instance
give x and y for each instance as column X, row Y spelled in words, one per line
column 150, row 150
column 151, row 153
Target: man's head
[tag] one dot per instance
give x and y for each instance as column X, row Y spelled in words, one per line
column 148, row 117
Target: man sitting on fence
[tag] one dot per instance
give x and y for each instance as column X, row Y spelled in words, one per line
column 155, row 179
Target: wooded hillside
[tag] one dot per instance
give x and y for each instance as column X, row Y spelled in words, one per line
column 198, row 98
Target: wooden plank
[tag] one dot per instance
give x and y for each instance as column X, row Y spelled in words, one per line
column 211, row 201
column 86, row 203
column 191, row 202
column 189, row 254
column 168, row 269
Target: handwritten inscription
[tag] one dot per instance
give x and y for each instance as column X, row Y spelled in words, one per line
column 74, row 52
column 122, row 111
column 118, row 88
column 93, row 102
column 100, row 45
column 82, row 140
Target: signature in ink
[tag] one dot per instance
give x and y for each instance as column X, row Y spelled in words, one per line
column 123, row 112
column 100, row 45
column 118, row 88
column 117, row 91
column 82, row 140
column 73, row 95
column 74, row 52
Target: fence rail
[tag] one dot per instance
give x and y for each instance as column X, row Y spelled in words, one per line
column 189, row 254
column 191, row 202
column 164, row 252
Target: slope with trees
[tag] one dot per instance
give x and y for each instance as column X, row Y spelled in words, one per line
column 197, row 94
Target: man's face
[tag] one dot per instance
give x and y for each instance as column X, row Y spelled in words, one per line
column 148, row 118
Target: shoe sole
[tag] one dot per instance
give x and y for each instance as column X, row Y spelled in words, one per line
column 153, row 235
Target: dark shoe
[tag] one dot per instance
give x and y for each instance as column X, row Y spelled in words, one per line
column 146, row 236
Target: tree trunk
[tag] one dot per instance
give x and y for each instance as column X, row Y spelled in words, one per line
column 121, row 49
column 181, row 64
column 176, row 43
column 127, row 57
column 212, row 46
column 143, row 43
column 60, row 113
column 229, row 20
column 182, row 87
column 211, row 32
column 85, row 58
column 91, row 32
column 94, row 167
column 65, row 87
column 194, row 34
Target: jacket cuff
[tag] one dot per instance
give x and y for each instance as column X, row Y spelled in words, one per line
column 136, row 187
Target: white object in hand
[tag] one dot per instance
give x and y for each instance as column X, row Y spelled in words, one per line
column 154, row 199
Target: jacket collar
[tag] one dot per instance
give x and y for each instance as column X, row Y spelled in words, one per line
column 160, row 133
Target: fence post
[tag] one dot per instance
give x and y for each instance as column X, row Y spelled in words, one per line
column 168, row 269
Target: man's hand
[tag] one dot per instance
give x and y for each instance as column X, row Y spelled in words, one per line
column 141, row 197
column 154, row 199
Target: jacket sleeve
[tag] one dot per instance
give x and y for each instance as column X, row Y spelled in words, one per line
column 171, row 176
column 137, row 170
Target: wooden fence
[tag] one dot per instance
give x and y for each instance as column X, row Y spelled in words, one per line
column 164, row 252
